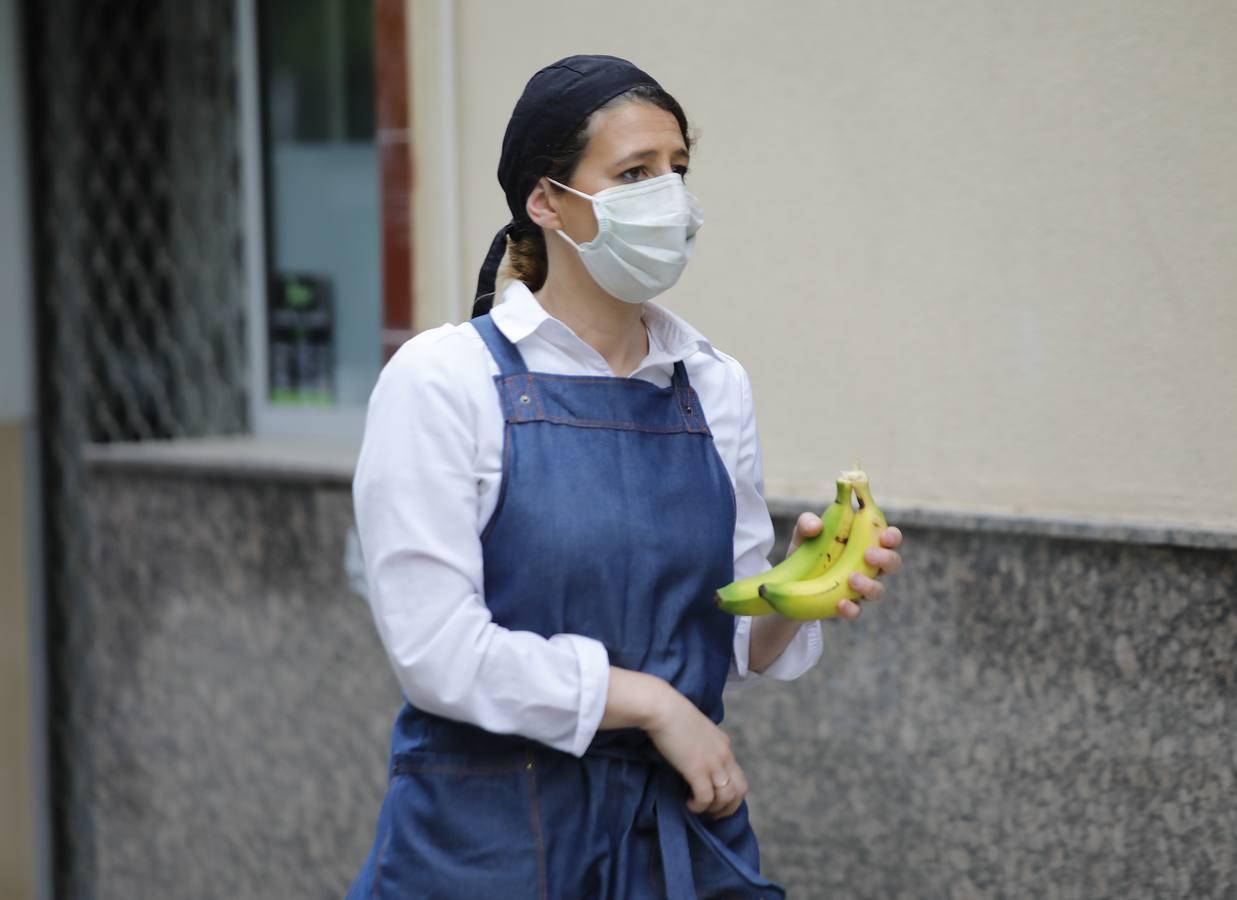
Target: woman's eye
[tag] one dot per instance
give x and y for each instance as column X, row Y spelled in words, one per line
column 636, row 173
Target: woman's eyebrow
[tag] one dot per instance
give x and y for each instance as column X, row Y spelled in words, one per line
column 645, row 154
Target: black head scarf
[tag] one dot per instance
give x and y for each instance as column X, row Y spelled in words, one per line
column 555, row 102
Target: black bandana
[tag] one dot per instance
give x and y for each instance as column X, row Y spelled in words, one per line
column 554, row 104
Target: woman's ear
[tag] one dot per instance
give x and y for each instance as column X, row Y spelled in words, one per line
column 542, row 206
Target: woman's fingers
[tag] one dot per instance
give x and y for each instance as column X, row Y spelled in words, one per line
column 868, row 588
column 808, row 524
column 703, row 793
column 722, row 779
column 848, row 609
column 888, row 561
column 731, row 789
column 885, row 560
column 739, row 785
column 700, row 752
column 721, row 798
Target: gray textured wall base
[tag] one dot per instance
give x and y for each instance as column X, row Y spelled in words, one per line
column 1023, row 716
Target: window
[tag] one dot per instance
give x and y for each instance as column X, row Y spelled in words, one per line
column 335, row 297
column 323, row 229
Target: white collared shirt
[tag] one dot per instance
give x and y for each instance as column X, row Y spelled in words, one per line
column 427, row 482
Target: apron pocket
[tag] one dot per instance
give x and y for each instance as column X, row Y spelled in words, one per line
column 460, row 826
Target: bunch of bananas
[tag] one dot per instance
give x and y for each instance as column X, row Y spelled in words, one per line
column 812, row 581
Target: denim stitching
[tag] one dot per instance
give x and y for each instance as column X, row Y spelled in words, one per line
column 613, row 425
column 632, row 383
column 524, row 412
column 698, row 408
column 534, row 809
column 685, row 403
column 717, row 454
column 527, row 384
column 504, row 396
column 617, row 424
column 427, row 759
column 503, row 478
column 536, row 395
column 514, row 392
column 511, row 400
column 513, row 389
column 510, row 410
column 734, row 500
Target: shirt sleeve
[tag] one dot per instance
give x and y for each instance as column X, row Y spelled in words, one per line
column 415, row 495
column 753, row 541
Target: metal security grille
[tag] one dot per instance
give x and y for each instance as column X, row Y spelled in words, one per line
column 134, row 124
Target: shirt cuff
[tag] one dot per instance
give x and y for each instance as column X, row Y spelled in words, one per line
column 594, row 664
column 742, row 649
column 800, row 655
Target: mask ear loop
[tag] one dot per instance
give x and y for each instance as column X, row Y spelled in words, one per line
column 588, row 197
column 566, row 238
column 571, row 189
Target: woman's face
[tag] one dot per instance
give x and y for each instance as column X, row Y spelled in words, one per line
column 630, row 142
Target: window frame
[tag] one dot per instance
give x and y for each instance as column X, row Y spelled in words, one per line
column 392, row 140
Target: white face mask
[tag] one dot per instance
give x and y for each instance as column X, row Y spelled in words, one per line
column 645, row 235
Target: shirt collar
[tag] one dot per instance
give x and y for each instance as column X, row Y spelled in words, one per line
column 520, row 314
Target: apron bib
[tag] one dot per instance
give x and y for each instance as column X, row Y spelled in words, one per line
column 615, row 520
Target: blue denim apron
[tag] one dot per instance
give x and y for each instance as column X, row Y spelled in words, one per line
column 615, row 520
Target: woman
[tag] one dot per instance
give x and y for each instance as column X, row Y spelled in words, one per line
column 547, row 498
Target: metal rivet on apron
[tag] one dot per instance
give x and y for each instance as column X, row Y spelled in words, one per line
column 524, row 398
column 529, row 767
column 688, row 410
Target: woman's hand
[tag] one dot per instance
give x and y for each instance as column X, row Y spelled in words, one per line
column 700, row 752
column 696, row 748
column 885, row 557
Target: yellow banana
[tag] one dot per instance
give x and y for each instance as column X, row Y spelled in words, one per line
column 818, row 598
column 811, row 558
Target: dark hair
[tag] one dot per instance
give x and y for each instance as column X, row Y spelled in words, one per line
column 526, row 252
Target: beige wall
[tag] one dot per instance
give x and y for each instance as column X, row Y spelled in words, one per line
column 988, row 248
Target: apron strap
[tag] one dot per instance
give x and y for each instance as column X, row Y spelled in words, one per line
column 676, row 858
column 674, row 824
column 689, row 401
column 505, row 353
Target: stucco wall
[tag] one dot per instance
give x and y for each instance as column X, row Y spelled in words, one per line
column 973, row 735
column 17, row 764
column 985, row 248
